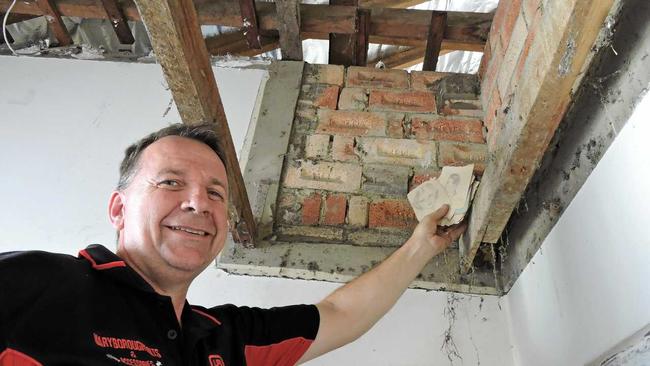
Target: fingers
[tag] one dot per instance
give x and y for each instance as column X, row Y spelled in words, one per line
column 454, row 232
column 438, row 214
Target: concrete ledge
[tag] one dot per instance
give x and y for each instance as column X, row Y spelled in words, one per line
column 342, row 263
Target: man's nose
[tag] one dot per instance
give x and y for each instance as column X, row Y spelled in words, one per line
column 196, row 201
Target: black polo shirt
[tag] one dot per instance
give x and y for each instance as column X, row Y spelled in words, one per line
column 56, row 309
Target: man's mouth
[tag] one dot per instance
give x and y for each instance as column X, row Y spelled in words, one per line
column 189, row 230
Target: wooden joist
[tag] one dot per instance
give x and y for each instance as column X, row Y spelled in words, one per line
column 117, row 19
column 434, row 40
column 53, row 17
column 288, row 16
column 362, row 37
column 558, row 55
column 389, row 3
column 342, row 46
column 405, row 27
column 236, row 43
column 249, row 23
column 176, row 37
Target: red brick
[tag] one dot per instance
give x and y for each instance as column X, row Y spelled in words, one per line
column 462, row 107
column 426, row 80
column 353, row 98
column 494, row 64
column 343, row 149
column 421, row 178
column 328, row 98
column 407, row 101
column 487, row 53
column 351, row 123
column 457, row 154
column 335, row 205
column 447, row 129
column 532, row 31
column 323, row 74
column 311, row 209
column 377, row 78
column 512, row 54
column 492, row 117
column 510, row 17
column 391, row 213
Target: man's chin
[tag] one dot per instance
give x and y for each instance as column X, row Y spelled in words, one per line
column 187, row 260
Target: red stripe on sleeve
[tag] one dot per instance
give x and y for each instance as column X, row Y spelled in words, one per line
column 108, row 265
column 11, row 357
column 207, row 316
column 285, row 353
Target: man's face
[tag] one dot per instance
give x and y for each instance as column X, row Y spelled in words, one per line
column 175, row 208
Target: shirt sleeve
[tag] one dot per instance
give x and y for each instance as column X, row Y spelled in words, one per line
column 278, row 336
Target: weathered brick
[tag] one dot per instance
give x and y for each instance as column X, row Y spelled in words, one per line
column 335, row 205
column 310, row 233
column 427, row 80
column 391, row 213
column 508, row 27
column 382, row 179
column 353, row 98
column 396, row 151
column 351, row 123
column 319, row 95
column 489, row 81
column 395, row 127
column 289, row 208
column 421, row 177
column 306, row 111
column 323, row 74
column 487, row 53
column 530, row 9
column 328, row 176
column 311, row 209
column 456, row 154
column 461, row 107
column 460, row 86
column 407, row 101
column 317, row 146
column 428, row 127
column 492, row 117
column 377, row 78
column 328, row 98
column 509, row 63
column 343, row 149
column 358, row 211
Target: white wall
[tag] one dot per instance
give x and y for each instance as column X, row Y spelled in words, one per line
column 587, row 287
column 63, row 127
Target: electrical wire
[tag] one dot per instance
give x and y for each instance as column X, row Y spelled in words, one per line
column 4, row 33
column 4, row 27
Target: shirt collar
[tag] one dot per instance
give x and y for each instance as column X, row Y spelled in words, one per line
column 102, row 259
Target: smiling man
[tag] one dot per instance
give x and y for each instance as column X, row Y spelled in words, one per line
column 170, row 212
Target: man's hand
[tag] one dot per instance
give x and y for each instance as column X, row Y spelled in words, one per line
column 428, row 232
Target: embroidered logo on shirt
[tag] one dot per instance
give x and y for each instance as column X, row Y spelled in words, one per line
column 125, row 344
column 216, row 360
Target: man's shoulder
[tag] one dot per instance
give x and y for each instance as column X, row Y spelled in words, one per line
column 39, row 262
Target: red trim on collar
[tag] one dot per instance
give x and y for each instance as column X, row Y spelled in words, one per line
column 207, row 316
column 11, row 357
column 108, row 265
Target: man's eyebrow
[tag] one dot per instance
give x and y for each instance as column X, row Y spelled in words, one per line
column 217, row 182
column 170, row 171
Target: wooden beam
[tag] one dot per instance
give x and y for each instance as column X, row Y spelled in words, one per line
column 362, row 38
column 342, row 46
column 389, row 3
column 403, row 59
column 120, row 25
column 559, row 52
column 434, row 40
column 236, row 43
column 53, row 17
column 405, row 27
column 288, row 16
column 176, row 37
column 249, row 23
column 17, row 18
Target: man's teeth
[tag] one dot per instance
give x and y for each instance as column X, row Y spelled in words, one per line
column 196, row 232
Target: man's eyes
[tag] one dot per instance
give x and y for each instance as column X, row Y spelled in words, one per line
column 169, row 182
column 215, row 194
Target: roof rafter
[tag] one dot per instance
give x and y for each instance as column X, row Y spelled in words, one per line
column 176, row 37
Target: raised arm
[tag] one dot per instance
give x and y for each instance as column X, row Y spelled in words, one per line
column 354, row 308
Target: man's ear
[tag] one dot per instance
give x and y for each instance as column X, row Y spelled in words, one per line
column 116, row 210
